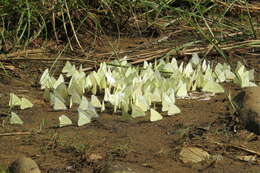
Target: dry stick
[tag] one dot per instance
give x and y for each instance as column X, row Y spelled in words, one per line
column 22, row 52
column 246, row 149
column 153, row 53
column 252, row 8
column 16, row 133
column 237, row 147
column 188, row 28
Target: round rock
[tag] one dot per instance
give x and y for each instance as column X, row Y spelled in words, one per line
column 247, row 103
column 24, row 165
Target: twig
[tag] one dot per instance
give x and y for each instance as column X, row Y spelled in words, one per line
column 22, row 52
column 16, row 133
column 238, row 147
column 246, row 149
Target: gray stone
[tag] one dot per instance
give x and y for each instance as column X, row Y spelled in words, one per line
column 247, row 103
column 24, row 165
column 116, row 168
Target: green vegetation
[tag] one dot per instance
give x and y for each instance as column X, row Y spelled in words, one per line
column 120, row 150
column 75, row 144
column 31, row 23
column 2, row 170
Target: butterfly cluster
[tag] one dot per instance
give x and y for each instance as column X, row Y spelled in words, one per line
column 137, row 90
column 22, row 103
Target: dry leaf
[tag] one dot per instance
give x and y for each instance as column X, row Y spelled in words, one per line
column 249, row 158
column 193, row 155
column 94, row 157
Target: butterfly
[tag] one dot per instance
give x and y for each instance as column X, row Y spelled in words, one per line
column 137, row 111
column 155, row 116
column 64, row 121
column 88, row 108
column 95, row 101
column 182, row 89
column 142, row 103
column 84, row 117
column 58, row 103
column 15, row 119
column 212, row 86
column 16, row 101
column 25, row 103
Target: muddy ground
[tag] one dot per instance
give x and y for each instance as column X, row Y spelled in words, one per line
column 138, row 144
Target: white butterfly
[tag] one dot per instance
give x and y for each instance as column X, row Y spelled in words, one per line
column 156, row 95
column 15, row 119
column 166, row 102
column 212, row 86
column 174, row 63
column 95, row 101
column 84, row 103
column 25, row 103
column 142, row 103
column 14, row 100
column 72, row 71
column 155, row 116
column 173, row 109
column 44, row 76
column 220, row 73
column 103, row 106
column 64, row 121
column 228, row 73
column 67, row 68
column 137, row 111
column 76, row 85
column 84, row 118
column 58, row 103
column 188, row 70
column 62, row 92
column 145, row 65
column 59, row 81
column 204, row 65
column 182, row 89
column 88, row 107
column 245, row 76
column 195, row 60
column 46, row 80
column 75, row 98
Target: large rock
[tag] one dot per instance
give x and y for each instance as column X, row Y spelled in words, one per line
column 248, row 105
column 24, row 165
